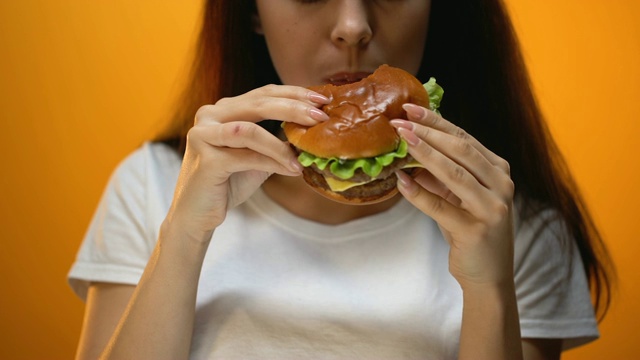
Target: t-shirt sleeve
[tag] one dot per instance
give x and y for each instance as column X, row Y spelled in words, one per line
column 554, row 300
column 116, row 246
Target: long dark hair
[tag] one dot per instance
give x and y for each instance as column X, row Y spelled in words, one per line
column 472, row 49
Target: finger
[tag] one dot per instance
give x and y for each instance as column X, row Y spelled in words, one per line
column 443, row 212
column 455, row 177
column 431, row 119
column 426, row 179
column 244, row 135
column 459, row 150
column 274, row 102
column 241, row 160
column 292, row 92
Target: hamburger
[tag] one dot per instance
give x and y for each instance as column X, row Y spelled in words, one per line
column 352, row 158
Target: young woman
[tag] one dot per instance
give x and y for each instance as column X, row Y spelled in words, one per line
column 208, row 244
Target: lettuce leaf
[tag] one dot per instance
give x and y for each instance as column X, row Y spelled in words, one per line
column 435, row 94
column 345, row 169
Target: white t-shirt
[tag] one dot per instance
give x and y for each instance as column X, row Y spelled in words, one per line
column 274, row 285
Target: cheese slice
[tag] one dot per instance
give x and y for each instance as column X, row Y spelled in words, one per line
column 413, row 164
column 342, row 185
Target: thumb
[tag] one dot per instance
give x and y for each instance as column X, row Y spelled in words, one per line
column 244, row 184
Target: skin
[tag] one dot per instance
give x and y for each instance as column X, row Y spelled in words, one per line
column 465, row 187
column 309, row 42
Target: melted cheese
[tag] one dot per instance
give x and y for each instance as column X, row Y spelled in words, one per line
column 342, row 185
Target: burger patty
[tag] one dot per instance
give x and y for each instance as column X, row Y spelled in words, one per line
column 367, row 192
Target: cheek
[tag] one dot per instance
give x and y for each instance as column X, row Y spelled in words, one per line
column 276, row 28
column 279, row 44
column 292, row 52
column 287, row 56
column 407, row 51
column 413, row 42
column 404, row 34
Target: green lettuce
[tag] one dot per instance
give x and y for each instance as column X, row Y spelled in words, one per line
column 345, row 169
column 435, row 92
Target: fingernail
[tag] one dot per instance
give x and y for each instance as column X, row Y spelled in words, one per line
column 409, row 136
column 296, row 166
column 318, row 98
column 402, row 124
column 404, row 180
column 414, row 112
column 318, row 114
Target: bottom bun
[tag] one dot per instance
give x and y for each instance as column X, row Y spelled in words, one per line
column 369, row 193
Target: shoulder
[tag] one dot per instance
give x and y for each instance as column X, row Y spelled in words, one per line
column 151, row 161
column 150, row 154
column 551, row 286
column 543, row 244
column 124, row 228
column 545, row 225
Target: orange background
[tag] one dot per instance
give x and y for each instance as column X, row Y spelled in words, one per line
column 85, row 82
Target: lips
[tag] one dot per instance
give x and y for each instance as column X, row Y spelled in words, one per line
column 344, row 78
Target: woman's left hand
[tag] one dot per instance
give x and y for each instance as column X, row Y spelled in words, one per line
column 467, row 190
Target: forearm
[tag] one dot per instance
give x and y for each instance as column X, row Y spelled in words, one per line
column 490, row 324
column 158, row 322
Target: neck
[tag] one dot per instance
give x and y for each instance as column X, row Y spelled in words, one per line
column 293, row 194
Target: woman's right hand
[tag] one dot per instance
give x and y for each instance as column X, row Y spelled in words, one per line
column 228, row 156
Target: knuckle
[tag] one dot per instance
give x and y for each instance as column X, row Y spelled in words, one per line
column 424, row 131
column 269, row 89
column 204, row 112
column 501, row 209
column 259, row 104
column 457, row 173
column 425, row 149
column 297, row 107
column 223, row 101
column 436, row 206
column 194, row 135
column 461, row 133
column 464, row 148
column 498, row 212
column 505, row 166
column 432, row 118
column 509, row 188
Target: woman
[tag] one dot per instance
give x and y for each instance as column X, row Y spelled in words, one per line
column 208, row 244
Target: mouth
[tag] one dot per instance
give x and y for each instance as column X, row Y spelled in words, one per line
column 344, row 78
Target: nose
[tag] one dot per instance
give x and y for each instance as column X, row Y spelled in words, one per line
column 352, row 24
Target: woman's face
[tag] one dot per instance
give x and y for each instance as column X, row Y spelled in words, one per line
column 313, row 42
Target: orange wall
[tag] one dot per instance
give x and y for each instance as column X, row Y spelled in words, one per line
column 584, row 56
column 84, row 82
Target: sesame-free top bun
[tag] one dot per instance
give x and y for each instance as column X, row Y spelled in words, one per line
column 359, row 116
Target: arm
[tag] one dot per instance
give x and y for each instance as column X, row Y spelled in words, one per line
column 490, row 318
column 491, row 329
column 163, row 300
column 468, row 191
column 162, row 307
column 541, row 349
column 104, row 306
column 227, row 158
